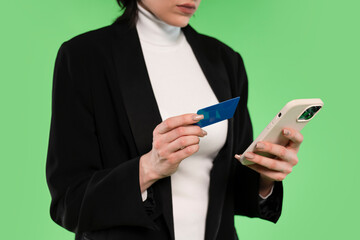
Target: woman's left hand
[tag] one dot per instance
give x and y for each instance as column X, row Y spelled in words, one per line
column 275, row 169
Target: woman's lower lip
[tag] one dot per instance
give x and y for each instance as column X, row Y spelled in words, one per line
column 186, row 10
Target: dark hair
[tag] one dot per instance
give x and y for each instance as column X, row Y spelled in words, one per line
column 130, row 13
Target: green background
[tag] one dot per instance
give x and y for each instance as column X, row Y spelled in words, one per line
column 292, row 49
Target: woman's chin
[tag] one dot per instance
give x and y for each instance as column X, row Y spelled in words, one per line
column 178, row 21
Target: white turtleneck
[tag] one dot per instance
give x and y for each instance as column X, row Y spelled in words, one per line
column 180, row 87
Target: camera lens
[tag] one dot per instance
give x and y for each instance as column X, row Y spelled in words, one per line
column 309, row 113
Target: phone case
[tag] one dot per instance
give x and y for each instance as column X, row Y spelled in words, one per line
column 295, row 114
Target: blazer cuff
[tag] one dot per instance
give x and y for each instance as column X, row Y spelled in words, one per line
column 263, row 199
column 270, row 208
column 150, row 203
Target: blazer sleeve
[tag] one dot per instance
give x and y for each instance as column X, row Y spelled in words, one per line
column 247, row 200
column 85, row 196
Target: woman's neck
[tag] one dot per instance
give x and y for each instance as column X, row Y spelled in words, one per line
column 155, row 31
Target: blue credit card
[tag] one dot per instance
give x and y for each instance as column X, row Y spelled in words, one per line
column 218, row 112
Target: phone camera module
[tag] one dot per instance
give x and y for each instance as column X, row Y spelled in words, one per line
column 309, row 113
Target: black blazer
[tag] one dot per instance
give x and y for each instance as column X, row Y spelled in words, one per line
column 103, row 115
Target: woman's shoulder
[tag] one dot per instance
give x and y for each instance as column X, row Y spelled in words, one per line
column 90, row 40
column 213, row 47
column 210, row 42
column 95, row 45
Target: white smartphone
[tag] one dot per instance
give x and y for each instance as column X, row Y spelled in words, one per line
column 295, row 114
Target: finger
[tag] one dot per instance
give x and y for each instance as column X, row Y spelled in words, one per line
column 182, row 142
column 190, row 130
column 280, row 151
column 295, row 137
column 180, row 155
column 274, row 175
column 272, row 164
column 174, row 122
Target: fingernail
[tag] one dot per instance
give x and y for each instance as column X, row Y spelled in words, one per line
column 197, row 117
column 249, row 155
column 237, row 156
column 286, row 132
column 260, row 145
column 204, row 132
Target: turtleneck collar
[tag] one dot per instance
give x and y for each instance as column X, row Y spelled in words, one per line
column 155, row 31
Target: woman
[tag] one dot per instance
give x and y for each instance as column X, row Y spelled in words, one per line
column 125, row 160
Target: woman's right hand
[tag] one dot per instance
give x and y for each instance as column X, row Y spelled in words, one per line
column 174, row 139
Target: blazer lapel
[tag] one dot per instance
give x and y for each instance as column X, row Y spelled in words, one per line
column 141, row 108
column 215, row 72
column 210, row 64
column 134, row 83
column 139, row 101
